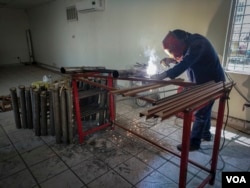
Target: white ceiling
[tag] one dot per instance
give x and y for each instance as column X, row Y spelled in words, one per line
column 21, row 4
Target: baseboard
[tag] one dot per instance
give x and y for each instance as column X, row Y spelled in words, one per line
column 49, row 67
column 236, row 123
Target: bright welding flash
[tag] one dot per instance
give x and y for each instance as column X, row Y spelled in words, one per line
column 151, row 69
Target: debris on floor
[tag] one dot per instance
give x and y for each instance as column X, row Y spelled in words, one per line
column 5, row 103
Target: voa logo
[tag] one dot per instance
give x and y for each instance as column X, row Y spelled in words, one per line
column 236, row 179
column 241, row 179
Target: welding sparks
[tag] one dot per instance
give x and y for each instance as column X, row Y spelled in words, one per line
column 152, row 68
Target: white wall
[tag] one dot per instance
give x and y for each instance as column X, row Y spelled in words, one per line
column 13, row 24
column 119, row 36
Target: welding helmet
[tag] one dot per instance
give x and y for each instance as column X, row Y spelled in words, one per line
column 174, row 43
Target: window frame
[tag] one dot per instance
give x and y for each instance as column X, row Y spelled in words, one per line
column 229, row 39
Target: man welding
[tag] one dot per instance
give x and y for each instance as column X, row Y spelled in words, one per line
column 194, row 54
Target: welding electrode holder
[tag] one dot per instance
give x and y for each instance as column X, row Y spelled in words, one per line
column 165, row 62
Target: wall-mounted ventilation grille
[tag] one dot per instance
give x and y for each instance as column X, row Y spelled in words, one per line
column 71, row 13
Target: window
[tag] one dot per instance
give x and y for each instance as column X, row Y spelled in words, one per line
column 238, row 42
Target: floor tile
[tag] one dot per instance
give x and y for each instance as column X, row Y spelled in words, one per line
column 108, row 158
column 10, row 166
column 28, row 144
column 172, row 171
column 21, row 179
column 4, row 141
column 164, row 128
column 151, row 158
column 90, row 169
column 7, row 152
column 157, row 180
column 48, row 169
column 37, row 155
column 66, row 179
column 72, row 154
column 110, row 179
column 133, row 170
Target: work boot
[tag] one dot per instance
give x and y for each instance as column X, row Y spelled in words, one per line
column 206, row 139
column 191, row 147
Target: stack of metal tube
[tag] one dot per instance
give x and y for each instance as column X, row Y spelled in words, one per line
column 46, row 110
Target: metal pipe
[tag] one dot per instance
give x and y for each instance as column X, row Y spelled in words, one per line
column 28, row 107
column 219, row 125
column 70, row 114
column 73, row 70
column 77, row 110
column 43, row 98
column 63, row 111
column 51, row 112
column 32, row 88
column 37, row 126
column 103, row 101
column 185, row 148
column 57, row 116
column 23, row 106
column 70, row 70
column 15, row 107
column 94, row 83
column 178, row 81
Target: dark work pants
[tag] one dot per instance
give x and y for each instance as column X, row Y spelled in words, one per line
column 201, row 125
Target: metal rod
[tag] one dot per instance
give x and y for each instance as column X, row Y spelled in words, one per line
column 15, row 106
column 63, row 111
column 194, row 101
column 44, row 129
column 185, row 148
column 193, row 88
column 51, row 112
column 172, row 100
column 136, row 90
column 37, row 126
column 23, row 106
column 74, row 70
column 57, row 116
column 178, row 81
column 28, row 107
column 111, row 100
column 77, row 110
column 94, row 83
column 32, row 88
column 122, row 91
column 70, row 114
column 219, row 125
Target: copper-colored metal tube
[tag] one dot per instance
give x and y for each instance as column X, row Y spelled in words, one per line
column 177, row 81
column 139, row 90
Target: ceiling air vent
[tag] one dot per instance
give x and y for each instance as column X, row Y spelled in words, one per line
column 71, row 13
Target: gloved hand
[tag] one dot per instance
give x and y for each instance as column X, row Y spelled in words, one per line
column 166, row 61
column 160, row 76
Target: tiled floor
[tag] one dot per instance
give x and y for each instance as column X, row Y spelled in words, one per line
column 108, row 158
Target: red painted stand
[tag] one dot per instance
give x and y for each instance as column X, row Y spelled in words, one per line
column 184, row 160
column 111, row 108
column 186, row 143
